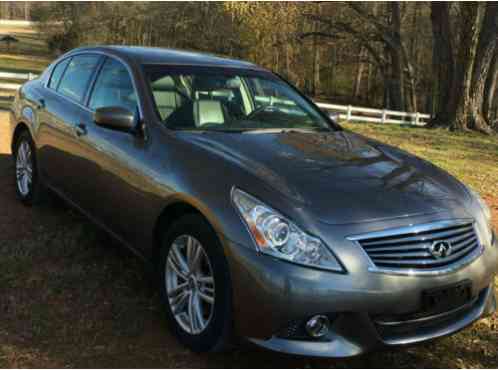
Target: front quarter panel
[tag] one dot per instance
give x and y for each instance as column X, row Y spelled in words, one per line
column 24, row 108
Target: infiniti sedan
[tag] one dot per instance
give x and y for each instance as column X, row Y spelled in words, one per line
column 260, row 217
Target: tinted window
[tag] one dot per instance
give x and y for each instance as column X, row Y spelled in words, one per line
column 77, row 75
column 114, row 87
column 57, row 73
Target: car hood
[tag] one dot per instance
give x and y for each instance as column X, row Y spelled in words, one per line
column 340, row 176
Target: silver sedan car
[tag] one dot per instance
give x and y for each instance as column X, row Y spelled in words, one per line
column 259, row 216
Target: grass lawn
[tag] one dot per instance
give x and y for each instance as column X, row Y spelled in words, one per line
column 23, row 63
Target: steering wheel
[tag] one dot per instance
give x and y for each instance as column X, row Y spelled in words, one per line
column 263, row 108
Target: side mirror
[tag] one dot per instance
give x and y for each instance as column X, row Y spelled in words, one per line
column 116, row 118
column 334, row 117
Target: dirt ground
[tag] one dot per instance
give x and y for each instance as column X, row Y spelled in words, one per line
column 69, row 297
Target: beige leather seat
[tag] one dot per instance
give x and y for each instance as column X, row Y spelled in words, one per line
column 208, row 111
column 167, row 99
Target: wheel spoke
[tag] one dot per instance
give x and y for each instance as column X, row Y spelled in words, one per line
column 25, row 182
column 179, row 303
column 177, row 270
column 191, row 314
column 179, row 259
column 206, row 297
column 194, row 255
column 205, row 279
column 28, row 153
column 178, row 290
column 198, row 312
column 21, row 153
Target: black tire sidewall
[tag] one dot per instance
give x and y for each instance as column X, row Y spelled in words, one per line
column 216, row 336
column 32, row 196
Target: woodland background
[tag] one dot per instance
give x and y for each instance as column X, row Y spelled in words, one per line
column 431, row 57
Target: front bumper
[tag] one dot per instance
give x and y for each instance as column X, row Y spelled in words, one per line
column 355, row 333
column 269, row 295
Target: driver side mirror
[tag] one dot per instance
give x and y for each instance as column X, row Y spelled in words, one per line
column 334, row 117
column 116, row 118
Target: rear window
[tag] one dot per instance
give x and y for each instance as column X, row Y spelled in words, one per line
column 57, row 73
column 77, row 76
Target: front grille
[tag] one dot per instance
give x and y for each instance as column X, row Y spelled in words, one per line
column 411, row 248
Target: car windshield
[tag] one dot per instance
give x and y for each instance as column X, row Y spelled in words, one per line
column 221, row 99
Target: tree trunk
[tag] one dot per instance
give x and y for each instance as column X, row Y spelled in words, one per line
column 316, row 75
column 469, row 38
column 484, row 57
column 490, row 89
column 397, row 81
column 443, row 64
column 359, row 73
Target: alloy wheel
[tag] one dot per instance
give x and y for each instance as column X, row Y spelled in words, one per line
column 190, row 284
column 24, row 168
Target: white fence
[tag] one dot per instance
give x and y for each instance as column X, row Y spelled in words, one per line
column 14, row 76
column 343, row 112
column 361, row 114
column 16, row 23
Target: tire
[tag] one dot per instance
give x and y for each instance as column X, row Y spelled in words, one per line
column 216, row 334
column 26, row 179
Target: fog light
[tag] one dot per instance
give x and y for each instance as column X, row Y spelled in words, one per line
column 318, row 326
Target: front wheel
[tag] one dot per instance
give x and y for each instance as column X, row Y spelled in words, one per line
column 28, row 187
column 195, row 285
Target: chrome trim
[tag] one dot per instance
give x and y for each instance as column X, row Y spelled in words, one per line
column 416, row 229
column 412, row 229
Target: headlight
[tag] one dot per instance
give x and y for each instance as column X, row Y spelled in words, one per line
column 486, row 214
column 485, row 209
column 275, row 235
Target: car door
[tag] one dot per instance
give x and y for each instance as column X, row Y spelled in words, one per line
column 61, row 159
column 115, row 194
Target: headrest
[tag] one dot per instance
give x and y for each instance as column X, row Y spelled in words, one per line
column 208, row 111
column 164, row 83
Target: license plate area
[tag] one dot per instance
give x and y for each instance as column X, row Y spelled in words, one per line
column 444, row 299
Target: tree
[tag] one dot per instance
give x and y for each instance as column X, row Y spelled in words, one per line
column 463, row 86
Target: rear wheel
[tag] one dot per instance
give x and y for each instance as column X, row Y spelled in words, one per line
column 195, row 285
column 28, row 187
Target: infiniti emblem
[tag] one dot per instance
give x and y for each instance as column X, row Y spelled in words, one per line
column 440, row 249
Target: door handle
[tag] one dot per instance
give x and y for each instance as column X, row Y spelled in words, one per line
column 40, row 104
column 80, row 129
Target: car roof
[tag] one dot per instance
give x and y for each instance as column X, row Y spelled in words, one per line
column 153, row 55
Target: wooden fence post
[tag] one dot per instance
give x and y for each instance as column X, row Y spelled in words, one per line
column 384, row 116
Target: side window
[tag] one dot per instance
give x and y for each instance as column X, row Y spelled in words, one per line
column 57, row 73
column 78, row 73
column 113, row 87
